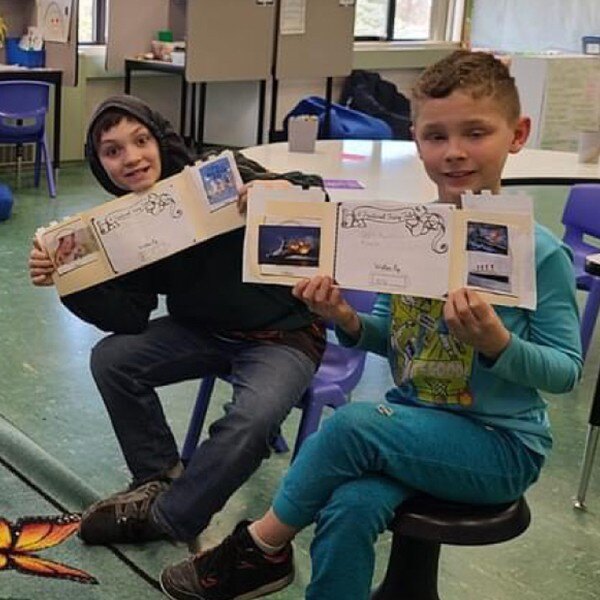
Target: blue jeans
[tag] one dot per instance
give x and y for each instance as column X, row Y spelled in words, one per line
column 268, row 380
column 367, row 459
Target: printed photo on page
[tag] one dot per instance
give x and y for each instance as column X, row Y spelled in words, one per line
column 289, row 249
column 71, row 246
column 219, row 182
column 489, row 260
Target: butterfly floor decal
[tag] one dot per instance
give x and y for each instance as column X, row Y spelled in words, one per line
column 19, row 540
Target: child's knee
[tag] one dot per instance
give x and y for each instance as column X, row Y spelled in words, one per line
column 107, row 354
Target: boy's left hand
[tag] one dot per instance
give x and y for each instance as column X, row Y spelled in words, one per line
column 475, row 322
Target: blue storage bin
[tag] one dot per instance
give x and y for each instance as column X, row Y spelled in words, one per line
column 6, row 202
column 25, row 58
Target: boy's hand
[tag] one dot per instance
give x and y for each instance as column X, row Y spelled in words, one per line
column 324, row 298
column 475, row 322
column 40, row 266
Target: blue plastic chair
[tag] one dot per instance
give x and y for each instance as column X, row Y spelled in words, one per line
column 581, row 218
column 339, row 373
column 23, row 108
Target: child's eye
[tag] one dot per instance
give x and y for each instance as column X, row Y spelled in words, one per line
column 110, row 151
column 142, row 140
column 476, row 133
column 434, row 136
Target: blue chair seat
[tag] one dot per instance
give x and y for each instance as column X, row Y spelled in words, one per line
column 23, row 108
column 581, row 218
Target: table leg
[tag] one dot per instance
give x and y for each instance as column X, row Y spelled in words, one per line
column 262, row 95
column 273, row 116
column 57, row 118
column 328, row 97
column 183, row 106
column 127, row 81
column 201, row 112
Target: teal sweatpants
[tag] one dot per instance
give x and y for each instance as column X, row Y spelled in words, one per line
column 368, row 458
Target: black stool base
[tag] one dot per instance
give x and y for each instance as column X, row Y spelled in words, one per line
column 412, row 571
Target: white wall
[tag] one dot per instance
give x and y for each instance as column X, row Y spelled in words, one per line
column 231, row 107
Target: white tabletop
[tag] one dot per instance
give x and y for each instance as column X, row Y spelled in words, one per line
column 391, row 169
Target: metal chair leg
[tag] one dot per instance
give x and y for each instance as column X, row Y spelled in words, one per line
column 591, row 444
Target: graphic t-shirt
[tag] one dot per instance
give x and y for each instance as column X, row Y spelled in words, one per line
column 428, row 362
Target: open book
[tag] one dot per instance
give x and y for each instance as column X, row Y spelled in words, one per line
column 132, row 231
column 396, row 247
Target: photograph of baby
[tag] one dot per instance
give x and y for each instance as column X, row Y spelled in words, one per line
column 489, row 263
column 289, row 249
column 71, row 247
column 219, row 182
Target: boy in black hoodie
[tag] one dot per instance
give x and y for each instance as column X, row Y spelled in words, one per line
column 262, row 338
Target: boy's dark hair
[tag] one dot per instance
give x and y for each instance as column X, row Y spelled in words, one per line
column 476, row 73
column 107, row 120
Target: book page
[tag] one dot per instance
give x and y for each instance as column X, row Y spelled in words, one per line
column 215, row 185
column 290, row 234
column 493, row 253
column 394, row 247
column 144, row 227
column 137, row 229
column 76, row 253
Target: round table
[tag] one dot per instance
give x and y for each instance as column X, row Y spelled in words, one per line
column 392, row 170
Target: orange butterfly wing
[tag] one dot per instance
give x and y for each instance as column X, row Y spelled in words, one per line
column 39, row 533
column 34, row 565
column 5, row 534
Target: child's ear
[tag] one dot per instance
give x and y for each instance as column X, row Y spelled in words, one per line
column 414, row 137
column 521, row 132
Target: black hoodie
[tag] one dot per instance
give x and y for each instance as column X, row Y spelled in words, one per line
column 203, row 284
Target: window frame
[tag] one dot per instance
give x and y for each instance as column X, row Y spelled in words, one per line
column 99, row 21
column 445, row 25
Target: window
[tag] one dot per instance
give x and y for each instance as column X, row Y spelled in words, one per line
column 92, row 21
column 408, row 20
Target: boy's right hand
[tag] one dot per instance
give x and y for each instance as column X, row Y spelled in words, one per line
column 325, row 299
column 40, row 266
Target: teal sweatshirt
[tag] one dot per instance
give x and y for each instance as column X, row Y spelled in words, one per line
column 432, row 368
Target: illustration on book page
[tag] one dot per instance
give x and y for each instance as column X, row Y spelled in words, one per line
column 394, row 247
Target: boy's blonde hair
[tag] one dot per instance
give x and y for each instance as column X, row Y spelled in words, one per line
column 476, row 73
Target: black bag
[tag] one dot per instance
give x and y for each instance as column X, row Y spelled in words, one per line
column 367, row 92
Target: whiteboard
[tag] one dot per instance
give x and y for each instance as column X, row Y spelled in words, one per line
column 534, row 25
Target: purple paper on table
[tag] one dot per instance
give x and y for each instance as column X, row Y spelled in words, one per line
column 343, row 184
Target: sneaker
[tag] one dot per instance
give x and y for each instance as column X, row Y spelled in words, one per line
column 236, row 569
column 124, row 517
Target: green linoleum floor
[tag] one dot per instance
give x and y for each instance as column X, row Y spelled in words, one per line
column 55, row 431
